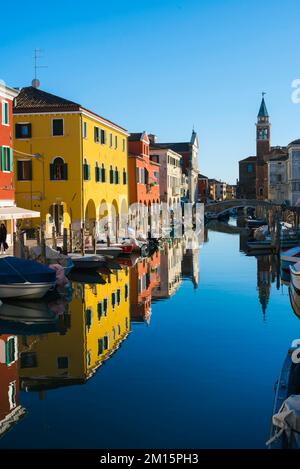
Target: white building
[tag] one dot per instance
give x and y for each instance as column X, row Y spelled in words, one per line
column 294, row 172
column 221, row 190
column 278, row 180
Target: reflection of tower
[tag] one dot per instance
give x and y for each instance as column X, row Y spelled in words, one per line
column 10, row 409
column 264, row 277
column 190, row 265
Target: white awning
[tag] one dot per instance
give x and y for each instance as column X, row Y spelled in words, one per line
column 17, row 213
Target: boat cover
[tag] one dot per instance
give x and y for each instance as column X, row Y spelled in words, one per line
column 288, row 419
column 15, row 270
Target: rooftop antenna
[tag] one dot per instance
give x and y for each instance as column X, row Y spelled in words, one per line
column 37, row 55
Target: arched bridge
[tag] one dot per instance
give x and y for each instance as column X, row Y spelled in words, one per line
column 225, row 205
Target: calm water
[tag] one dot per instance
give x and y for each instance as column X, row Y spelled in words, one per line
column 194, row 369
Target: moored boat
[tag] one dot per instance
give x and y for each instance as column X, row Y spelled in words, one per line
column 255, row 222
column 289, row 257
column 20, row 278
column 295, row 275
column 88, row 261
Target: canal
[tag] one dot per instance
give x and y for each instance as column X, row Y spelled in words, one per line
column 181, row 351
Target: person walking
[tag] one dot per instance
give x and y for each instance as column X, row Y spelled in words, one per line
column 3, row 235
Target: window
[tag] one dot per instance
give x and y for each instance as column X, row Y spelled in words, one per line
column 119, row 329
column 100, row 310
column 84, row 130
column 24, row 170
column 103, row 137
column 88, row 318
column 58, row 170
column 103, row 173
column 111, row 175
column 126, row 288
column 117, row 177
column 110, row 140
column 97, row 173
column 124, row 177
column 113, row 300
column 11, row 350
column 123, row 144
column 86, row 170
column 6, row 159
column 97, row 134
column 5, row 113
column 57, row 127
column 118, row 296
column 28, row 360
column 62, row 363
column 250, row 168
column 105, row 306
column 100, row 346
column 116, row 141
column 279, row 178
column 23, row 130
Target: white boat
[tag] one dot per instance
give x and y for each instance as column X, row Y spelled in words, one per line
column 295, row 275
column 25, row 290
column 112, row 251
column 88, row 261
column 27, row 312
column 289, row 257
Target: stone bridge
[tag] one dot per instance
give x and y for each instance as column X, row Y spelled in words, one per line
column 225, row 205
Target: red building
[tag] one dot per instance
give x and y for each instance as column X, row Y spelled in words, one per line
column 203, row 188
column 10, row 409
column 143, row 173
column 9, row 213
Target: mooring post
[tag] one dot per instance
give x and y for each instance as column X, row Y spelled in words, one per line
column 70, row 238
column 54, row 241
column 82, row 240
column 65, row 241
column 94, row 237
column 43, row 247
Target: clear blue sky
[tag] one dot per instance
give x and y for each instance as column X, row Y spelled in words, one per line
column 164, row 66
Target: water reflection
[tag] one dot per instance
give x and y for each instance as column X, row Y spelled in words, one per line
column 64, row 341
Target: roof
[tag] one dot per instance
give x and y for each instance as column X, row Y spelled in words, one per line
column 278, row 158
column 263, row 109
column 135, row 136
column 201, row 176
column 295, row 142
column 250, row 158
column 33, row 100
column 177, row 147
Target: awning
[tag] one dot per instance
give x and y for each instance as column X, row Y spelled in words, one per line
column 17, row 213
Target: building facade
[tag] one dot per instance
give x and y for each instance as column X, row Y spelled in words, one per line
column 203, row 188
column 247, row 178
column 278, row 180
column 9, row 213
column 71, row 164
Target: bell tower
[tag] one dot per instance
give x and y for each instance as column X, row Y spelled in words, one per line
column 263, row 140
column 263, row 128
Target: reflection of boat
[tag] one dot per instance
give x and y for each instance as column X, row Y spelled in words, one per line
column 289, row 257
column 286, row 410
column 86, row 277
column 29, row 312
column 88, row 261
column 285, row 277
column 267, row 245
column 295, row 300
column 20, row 278
column 295, row 275
column 111, row 251
column 255, row 222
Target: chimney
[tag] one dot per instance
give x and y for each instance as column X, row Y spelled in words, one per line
column 152, row 138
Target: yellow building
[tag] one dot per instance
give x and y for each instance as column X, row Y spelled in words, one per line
column 71, row 164
column 99, row 323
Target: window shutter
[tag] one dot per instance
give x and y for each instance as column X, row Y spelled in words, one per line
column 124, row 177
column 52, row 172
column 88, row 172
column 65, row 172
column 137, row 175
column 30, row 170
column 19, row 171
column 3, row 158
column 10, row 166
column 103, row 175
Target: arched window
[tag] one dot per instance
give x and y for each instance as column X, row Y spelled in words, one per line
column 97, row 172
column 117, row 179
column 86, row 170
column 261, row 191
column 58, row 170
column 124, row 177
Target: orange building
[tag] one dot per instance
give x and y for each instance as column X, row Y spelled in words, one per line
column 144, row 276
column 143, row 173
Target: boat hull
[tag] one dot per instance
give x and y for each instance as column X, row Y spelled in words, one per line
column 25, row 290
column 295, row 278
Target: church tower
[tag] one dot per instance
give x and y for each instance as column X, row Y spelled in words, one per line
column 263, row 138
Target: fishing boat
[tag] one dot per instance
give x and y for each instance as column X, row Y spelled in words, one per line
column 88, row 261
column 295, row 275
column 20, row 278
column 285, row 423
column 289, row 257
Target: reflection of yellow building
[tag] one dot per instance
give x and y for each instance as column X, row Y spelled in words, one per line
column 71, row 164
column 100, row 321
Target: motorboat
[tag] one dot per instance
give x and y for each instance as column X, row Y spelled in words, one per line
column 295, row 275
column 88, row 261
column 27, row 312
column 289, row 257
column 111, row 251
column 295, row 300
column 21, row 278
column 53, row 256
column 255, row 222
column 285, row 423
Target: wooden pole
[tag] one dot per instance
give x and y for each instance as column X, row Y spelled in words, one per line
column 43, row 247
column 82, row 240
column 65, row 241
column 38, row 236
column 54, row 240
column 70, row 238
column 94, row 237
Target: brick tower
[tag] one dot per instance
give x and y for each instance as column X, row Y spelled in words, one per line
column 263, row 128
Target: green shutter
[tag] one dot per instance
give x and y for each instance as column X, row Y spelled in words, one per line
column 10, row 160
column 2, row 158
column 88, row 172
